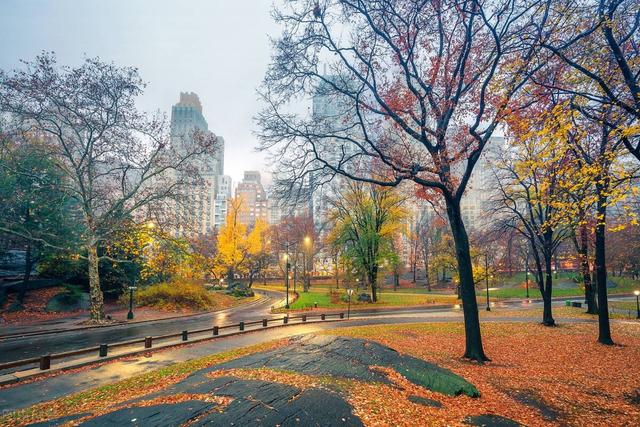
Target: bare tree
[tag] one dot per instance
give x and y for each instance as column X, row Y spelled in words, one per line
column 417, row 89
column 119, row 163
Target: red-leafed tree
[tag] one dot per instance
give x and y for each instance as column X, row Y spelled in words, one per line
column 403, row 90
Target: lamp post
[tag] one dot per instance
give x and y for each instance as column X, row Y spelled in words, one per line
column 349, row 292
column 306, row 258
column 637, row 294
column 130, row 313
column 286, row 275
column 357, row 283
column 527, row 282
column 486, row 278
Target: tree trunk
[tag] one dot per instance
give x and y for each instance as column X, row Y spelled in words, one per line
column 604, row 329
column 95, row 293
column 546, row 291
column 28, row 265
column 373, row 278
column 426, row 267
column 583, row 252
column 473, row 338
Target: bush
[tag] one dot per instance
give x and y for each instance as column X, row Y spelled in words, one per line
column 176, row 295
column 240, row 292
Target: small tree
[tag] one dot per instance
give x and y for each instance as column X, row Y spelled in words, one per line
column 366, row 220
column 233, row 248
column 258, row 257
column 528, row 197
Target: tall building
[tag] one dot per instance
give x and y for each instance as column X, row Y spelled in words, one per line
column 334, row 113
column 223, row 196
column 254, row 199
column 475, row 203
column 196, row 214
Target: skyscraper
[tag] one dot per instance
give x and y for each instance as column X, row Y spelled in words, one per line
column 254, row 198
column 196, row 215
column 223, row 196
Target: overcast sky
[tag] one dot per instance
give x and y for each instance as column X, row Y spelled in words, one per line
column 216, row 48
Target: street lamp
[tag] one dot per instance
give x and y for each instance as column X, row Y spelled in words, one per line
column 286, row 275
column 306, row 258
column 357, row 283
column 130, row 313
column 349, row 292
column 527, row 281
column 637, row 294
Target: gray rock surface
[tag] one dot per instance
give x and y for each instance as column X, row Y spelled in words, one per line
column 270, row 403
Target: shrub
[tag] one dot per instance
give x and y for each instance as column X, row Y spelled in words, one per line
column 176, row 295
column 240, row 292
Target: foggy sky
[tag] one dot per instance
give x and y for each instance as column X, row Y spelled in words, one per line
column 216, row 48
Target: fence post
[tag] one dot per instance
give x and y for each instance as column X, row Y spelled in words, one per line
column 342, row 315
column 148, row 342
column 45, row 362
column 216, row 330
column 104, row 349
column 285, row 319
column 264, row 323
column 185, row 335
column 241, row 325
column 304, row 317
column 322, row 316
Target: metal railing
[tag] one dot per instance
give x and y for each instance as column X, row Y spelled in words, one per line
column 102, row 350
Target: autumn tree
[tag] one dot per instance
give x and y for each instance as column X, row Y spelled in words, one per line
column 297, row 235
column 596, row 143
column 233, row 247
column 367, row 218
column 258, row 256
column 416, row 88
column 526, row 201
column 599, row 39
column 118, row 162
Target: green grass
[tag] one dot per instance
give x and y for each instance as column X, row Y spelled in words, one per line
column 624, row 285
column 307, row 299
column 386, row 298
column 533, row 292
column 623, row 305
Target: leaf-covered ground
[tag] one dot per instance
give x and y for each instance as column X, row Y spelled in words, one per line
column 538, row 376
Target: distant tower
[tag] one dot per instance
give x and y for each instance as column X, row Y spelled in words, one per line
column 197, row 215
column 254, row 199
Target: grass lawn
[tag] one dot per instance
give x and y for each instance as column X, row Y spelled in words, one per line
column 322, row 297
column 623, row 305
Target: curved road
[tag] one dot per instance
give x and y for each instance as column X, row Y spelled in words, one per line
column 23, row 347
